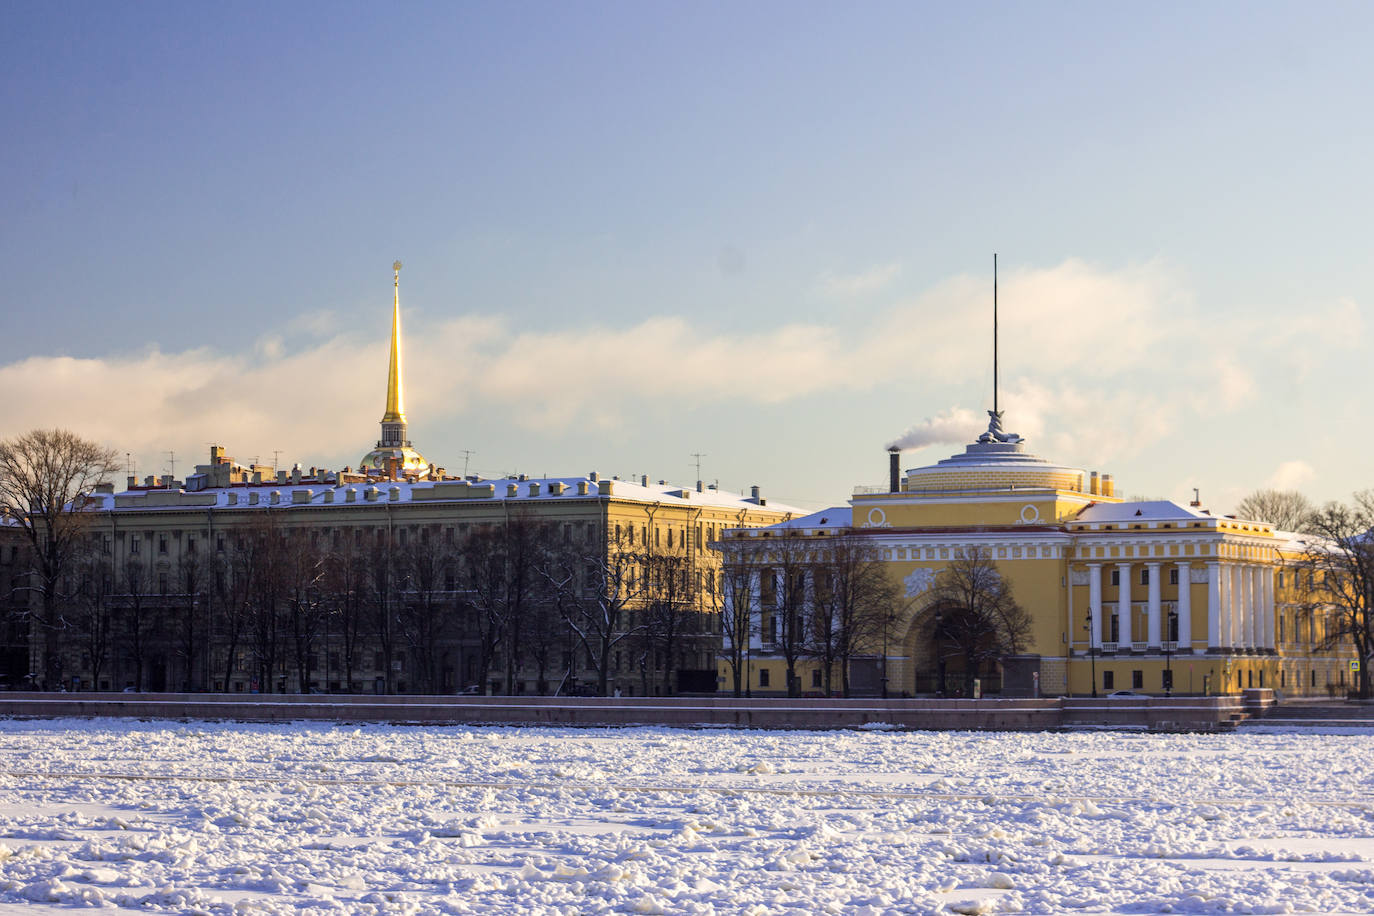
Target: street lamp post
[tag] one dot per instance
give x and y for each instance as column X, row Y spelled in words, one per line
column 1092, row 651
column 1169, row 646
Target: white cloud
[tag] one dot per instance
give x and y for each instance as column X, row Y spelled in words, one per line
column 1291, row 475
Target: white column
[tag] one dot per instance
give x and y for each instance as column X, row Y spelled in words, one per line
column 1270, row 618
column 1123, row 606
column 1185, row 606
column 756, row 609
column 1251, row 606
column 1095, row 605
column 1233, row 604
column 1214, row 605
column 1252, row 621
column 1152, row 635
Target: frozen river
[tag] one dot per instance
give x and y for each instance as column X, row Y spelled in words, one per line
column 218, row 818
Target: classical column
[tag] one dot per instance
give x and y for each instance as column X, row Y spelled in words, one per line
column 1152, row 632
column 1251, row 581
column 1267, row 588
column 1213, row 606
column 1231, row 573
column 1095, row 605
column 1185, row 606
column 1123, row 607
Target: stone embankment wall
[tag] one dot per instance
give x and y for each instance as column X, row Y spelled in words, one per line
column 1151, row 713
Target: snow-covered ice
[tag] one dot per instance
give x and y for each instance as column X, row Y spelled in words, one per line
column 307, row 817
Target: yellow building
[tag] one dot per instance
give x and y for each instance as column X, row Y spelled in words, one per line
column 1149, row 596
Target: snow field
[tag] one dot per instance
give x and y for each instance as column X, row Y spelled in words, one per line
column 313, row 818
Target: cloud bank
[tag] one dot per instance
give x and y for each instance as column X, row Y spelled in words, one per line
column 1096, row 362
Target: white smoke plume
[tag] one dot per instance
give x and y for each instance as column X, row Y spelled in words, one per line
column 956, row 425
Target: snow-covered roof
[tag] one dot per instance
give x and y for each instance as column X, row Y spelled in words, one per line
column 523, row 490
column 835, row 517
column 1153, row 510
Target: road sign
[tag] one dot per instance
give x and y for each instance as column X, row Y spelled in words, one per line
column 1354, row 664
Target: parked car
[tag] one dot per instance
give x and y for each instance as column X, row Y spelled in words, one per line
column 1125, row 695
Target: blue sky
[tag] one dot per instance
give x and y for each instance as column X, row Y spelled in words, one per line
column 786, row 211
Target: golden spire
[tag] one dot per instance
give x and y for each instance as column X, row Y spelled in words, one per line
column 395, row 410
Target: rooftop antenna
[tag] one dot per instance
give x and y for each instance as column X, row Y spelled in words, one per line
column 171, row 467
column 276, row 453
column 467, row 453
column 698, row 456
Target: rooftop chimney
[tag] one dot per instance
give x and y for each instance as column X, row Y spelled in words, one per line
column 754, row 493
column 894, row 470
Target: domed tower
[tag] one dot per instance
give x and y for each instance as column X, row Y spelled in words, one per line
column 393, row 449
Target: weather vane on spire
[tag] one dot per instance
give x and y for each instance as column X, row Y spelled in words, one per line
column 994, row 433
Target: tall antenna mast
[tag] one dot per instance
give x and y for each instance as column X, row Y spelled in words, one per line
column 994, row 332
column 698, row 456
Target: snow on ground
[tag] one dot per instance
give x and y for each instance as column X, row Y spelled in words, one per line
column 206, row 817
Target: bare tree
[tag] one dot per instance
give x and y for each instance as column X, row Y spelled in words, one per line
column 972, row 614
column 94, row 616
column 1287, row 510
column 739, row 584
column 135, row 585
column 1338, row 562
column 190, row 638
column 503, row 570
column 423, row 565
column 851, row 604
column 345, row 587
column 785, row 589
column 595, row 590
column 46, row 477
column 668, row 613
column 303, row 572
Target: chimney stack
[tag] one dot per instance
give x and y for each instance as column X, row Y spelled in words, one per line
column 894, row 470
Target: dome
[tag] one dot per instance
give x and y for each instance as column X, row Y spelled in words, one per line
column 995, row 466
column 406, row 458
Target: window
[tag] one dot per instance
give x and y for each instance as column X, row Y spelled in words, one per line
column 1137, row 679
column 816, row 678
column 191, row 545
column 1108, row 680
column 219, row 543
column 763, row 677
column 162, row 543
column 1145, row 576
column 670, row 538
column 133, row 544
column 1280, row 580
column 1116, row 577
column 1173, row 577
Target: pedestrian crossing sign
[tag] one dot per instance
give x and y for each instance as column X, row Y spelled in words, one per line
column 1354, row 664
